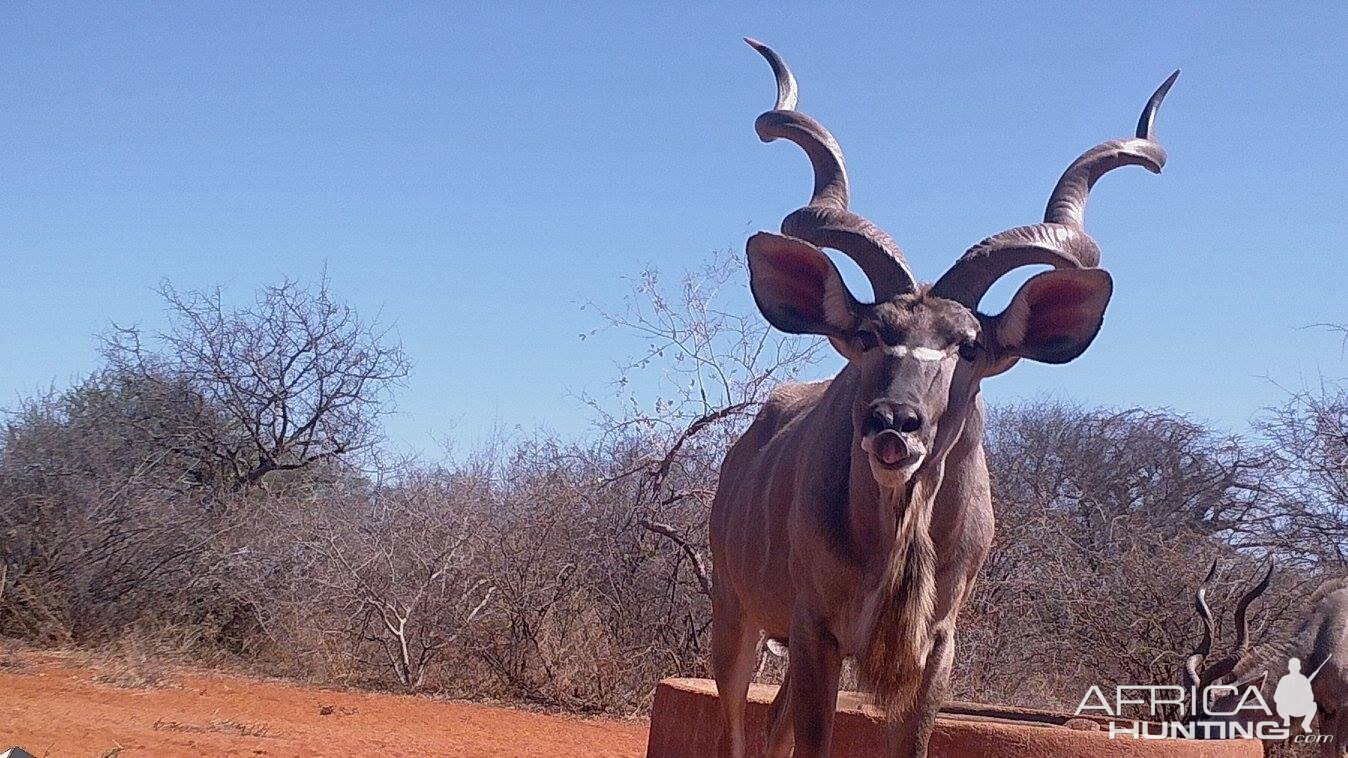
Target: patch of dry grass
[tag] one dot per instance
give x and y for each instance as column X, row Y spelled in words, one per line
column 9, row 656
column 129, row 664
column 222, row 726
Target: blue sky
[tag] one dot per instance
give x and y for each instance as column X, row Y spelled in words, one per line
column 475, row 174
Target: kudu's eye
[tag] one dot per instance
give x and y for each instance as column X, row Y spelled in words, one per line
column 969, row 349
column 867, row 339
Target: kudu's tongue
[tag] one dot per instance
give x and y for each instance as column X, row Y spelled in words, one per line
column 890, row 447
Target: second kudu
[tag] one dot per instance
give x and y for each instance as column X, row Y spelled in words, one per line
column 853, row 515
column 1318, row 642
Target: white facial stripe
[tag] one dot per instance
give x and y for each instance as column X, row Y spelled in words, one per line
column 920, row 353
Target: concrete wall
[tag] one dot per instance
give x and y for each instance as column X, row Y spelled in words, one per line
column 685, row 723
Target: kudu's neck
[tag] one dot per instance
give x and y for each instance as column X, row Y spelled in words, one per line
column 872, row 510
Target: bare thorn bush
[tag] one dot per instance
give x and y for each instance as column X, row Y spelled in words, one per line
column 217, row 492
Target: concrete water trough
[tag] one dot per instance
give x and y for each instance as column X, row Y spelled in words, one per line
column 686, row 719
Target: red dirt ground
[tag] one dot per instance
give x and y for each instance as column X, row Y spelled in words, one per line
column 52, row 706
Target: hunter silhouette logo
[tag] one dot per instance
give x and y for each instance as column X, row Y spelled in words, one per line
column 1293, row 697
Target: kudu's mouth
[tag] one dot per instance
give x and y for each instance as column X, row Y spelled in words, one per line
column 893, row 456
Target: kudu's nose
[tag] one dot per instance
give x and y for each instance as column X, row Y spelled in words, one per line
column 900, row 417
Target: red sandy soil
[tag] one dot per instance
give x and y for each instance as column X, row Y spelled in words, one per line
column 51, row 705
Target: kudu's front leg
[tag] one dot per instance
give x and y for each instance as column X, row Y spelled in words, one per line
column 813, row 678
column 910, row 734
column 780, row 722
column 733, row 649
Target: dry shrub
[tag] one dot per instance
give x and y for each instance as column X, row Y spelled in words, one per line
column 167, row 509
column 1107, row 521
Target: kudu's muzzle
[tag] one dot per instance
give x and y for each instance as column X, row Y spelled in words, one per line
column 891, row 440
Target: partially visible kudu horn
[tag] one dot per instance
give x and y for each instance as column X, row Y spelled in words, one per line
column 1061, row 240
column 1200, row 654
column 1228, row 664
column 826, row 221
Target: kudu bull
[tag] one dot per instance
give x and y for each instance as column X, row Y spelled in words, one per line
column 1319, row 643
column 854, row 514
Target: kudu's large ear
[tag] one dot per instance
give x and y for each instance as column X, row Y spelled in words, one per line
column 1055, row 315
column 799, row 290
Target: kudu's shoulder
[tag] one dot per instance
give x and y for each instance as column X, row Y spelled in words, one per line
column 794, row 398
column 785, row 406
column 1329, row 602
